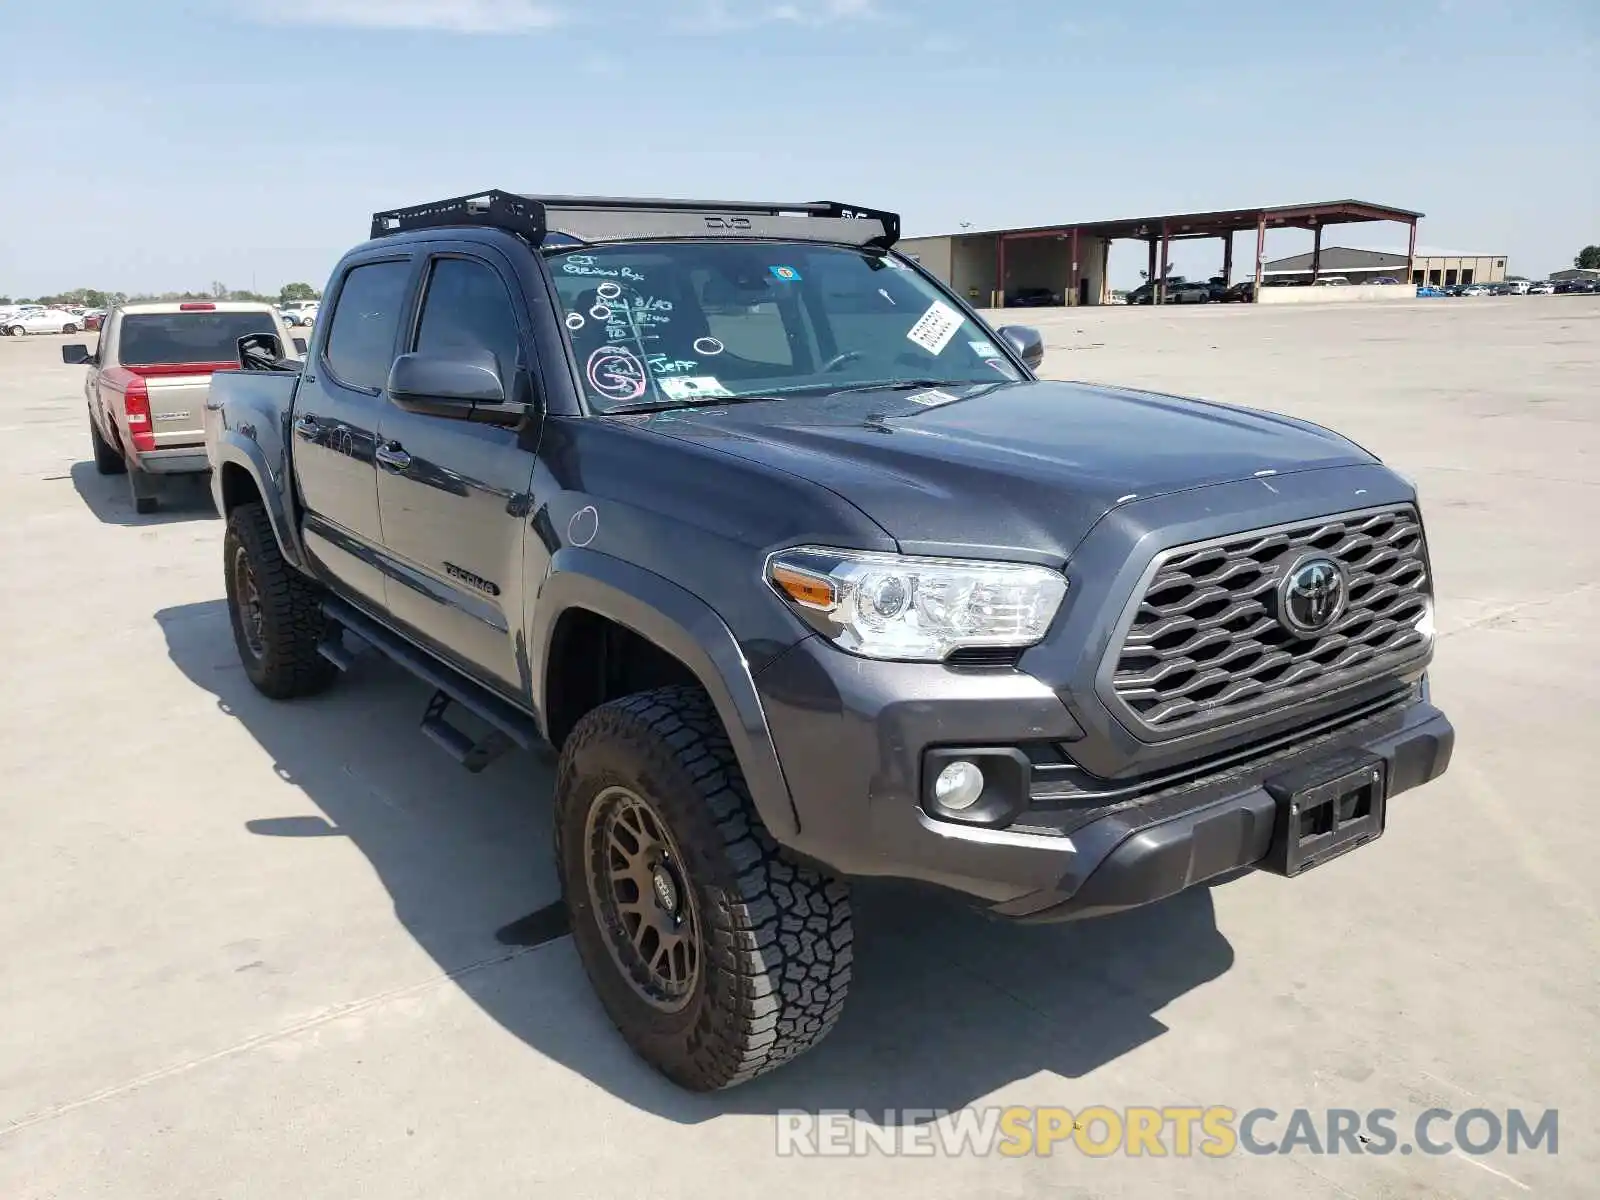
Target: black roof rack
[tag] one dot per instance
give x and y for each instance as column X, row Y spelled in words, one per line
column 615, row 218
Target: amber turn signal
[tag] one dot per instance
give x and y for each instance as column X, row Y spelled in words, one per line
column 813, row 591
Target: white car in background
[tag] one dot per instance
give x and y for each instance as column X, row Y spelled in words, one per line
column 1188, row 291
column 301, row 312
column 43, row 320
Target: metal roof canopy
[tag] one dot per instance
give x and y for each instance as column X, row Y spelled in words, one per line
column 1181, row 226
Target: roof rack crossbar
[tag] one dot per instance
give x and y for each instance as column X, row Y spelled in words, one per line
column 618, row 218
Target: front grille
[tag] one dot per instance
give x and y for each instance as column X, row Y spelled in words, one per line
column 1206, row 646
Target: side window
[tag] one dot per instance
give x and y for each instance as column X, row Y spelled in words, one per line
column 361, row 338
column 468, row 309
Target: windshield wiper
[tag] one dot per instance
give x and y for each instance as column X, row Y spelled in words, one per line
column 649, row 406
column 897, row 385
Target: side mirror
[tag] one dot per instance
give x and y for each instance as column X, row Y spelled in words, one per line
column 443, row 386
column 260, row 348
column 76, row 354
column 299, row 345
column 1027, row 342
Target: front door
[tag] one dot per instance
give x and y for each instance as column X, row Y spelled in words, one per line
column 453, row 493
column 335, row 426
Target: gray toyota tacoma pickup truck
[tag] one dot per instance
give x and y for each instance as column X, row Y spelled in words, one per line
column 807, row 577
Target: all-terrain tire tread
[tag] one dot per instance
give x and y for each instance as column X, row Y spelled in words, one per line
column 780, row 940
column 293, row 616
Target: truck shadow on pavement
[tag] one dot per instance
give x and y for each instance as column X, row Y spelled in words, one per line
column 947, row 1005
column 183, row 498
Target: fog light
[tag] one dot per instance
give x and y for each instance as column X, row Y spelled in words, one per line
column 958, row 786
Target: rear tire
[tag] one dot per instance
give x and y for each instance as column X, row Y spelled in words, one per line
column 276, row 612
column 106, row 459
column 771, row 940
column 69, row 328
column 141, row 489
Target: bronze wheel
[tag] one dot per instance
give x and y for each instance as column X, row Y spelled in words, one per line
column 644, row 901
column 247, row 599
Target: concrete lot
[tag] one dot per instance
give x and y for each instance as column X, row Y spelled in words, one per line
column 260, row 950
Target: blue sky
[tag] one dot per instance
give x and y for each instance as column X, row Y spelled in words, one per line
column 154, row 144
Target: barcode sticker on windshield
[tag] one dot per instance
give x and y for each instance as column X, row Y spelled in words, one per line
column 936, row 327
column 688, row 388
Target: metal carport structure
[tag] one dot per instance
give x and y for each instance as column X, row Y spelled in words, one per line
column 1159, row 232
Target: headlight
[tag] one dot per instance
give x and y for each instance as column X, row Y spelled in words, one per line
column 896, row 607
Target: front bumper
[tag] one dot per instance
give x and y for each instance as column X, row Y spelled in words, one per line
column 852, row 736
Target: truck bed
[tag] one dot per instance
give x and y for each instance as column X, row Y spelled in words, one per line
column 263, row 398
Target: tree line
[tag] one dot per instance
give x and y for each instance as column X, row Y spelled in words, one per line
column 95, row 298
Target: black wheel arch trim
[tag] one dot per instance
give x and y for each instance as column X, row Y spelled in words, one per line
column 684, row 626
column 235, row 450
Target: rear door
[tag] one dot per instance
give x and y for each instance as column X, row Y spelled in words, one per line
column 335, row 423
column 453, row 493
column 175, row 353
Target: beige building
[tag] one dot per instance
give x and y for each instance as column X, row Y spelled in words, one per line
column 1436, row 267
column 970, row 264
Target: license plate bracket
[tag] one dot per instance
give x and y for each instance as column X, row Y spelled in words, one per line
column 1327, row 809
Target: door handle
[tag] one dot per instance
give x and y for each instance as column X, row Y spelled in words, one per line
column 307, row 426
column 393, row 455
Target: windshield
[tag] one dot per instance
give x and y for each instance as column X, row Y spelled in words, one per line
column 666, row 323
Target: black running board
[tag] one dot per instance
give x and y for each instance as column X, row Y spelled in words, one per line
column 509, row 725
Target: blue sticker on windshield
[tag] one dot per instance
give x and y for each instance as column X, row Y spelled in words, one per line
column 787, row 274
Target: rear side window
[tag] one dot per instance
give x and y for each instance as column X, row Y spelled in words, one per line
column 152, row 339
column 365, row 320
column 468, row 310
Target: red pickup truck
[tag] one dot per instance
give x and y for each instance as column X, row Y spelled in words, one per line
column 148, row 380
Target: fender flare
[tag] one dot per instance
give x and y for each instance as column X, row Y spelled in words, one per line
column 686, row 627
column 234, row 449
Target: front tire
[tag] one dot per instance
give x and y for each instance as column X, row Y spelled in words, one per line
column 15, row 331
column 717, row 959
column 69, row 328
column 276, row 612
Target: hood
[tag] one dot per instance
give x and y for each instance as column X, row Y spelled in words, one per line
column 1022, row 469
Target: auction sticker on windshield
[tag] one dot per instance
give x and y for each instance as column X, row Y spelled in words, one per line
column 690, row 387
column 936, row 327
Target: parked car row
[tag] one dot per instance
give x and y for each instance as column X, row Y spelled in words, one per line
column 1509, row 287
column 1178, row 290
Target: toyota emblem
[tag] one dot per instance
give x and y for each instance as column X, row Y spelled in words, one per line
column 1312, row 596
